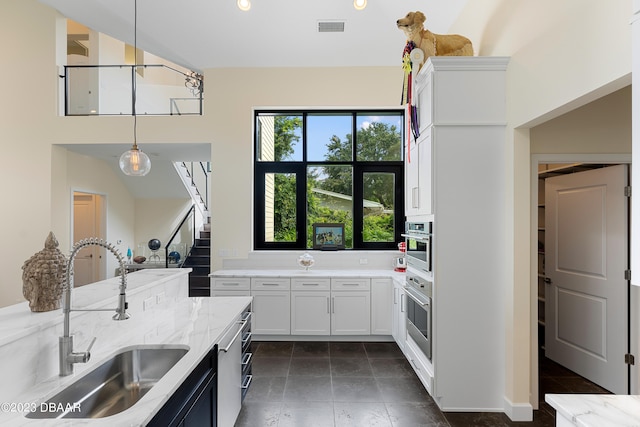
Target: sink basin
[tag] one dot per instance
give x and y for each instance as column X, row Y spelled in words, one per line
column 113, row 386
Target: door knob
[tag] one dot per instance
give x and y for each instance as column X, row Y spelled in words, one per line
column 547, row 280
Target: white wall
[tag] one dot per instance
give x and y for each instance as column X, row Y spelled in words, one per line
column 560, row 60
column 75, row 172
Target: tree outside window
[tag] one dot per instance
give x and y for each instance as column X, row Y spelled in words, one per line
column 310, row 169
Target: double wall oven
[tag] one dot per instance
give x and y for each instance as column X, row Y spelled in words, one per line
column 419, row 284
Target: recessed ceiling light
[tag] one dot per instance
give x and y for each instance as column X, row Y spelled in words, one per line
column 359, row 4
column 244, row 5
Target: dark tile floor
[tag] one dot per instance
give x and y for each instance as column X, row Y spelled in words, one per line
column 305, row 384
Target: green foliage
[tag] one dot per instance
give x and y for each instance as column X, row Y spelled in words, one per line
column 378, row 228
column 286, row 137
column 376, row 142
column 285, row 208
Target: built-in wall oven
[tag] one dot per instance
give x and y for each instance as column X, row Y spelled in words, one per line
column 419, row 292
column 418, row 245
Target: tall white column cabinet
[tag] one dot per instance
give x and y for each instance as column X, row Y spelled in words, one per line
column 456, row 178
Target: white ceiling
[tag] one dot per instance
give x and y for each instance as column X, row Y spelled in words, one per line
column 201, row 34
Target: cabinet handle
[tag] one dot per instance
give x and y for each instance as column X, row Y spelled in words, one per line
column 310, row 284
column 415, row 198
column 351, row 284
column 230, row 284
column 243, row 323
column 247, row 381
column 402, row 303
column 270, row 284
column 328, row 306
column 246, row 359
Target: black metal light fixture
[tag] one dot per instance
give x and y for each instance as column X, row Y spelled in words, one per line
column 134, row 162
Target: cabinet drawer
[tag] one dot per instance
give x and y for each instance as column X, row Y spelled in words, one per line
column 230, row 293
column 231, row 283
column 345, row 284
column 267, row 283
column 311, row 284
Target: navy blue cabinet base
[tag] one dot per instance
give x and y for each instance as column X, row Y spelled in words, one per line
column 194, row 403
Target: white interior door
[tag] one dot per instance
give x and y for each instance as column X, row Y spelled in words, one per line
column 586, row 254
column 85, row 225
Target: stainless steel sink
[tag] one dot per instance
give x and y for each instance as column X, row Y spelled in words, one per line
column 114, row 386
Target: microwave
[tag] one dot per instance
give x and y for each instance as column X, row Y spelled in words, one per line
column 418, row 242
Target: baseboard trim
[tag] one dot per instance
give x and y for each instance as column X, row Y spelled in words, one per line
column 518, row 411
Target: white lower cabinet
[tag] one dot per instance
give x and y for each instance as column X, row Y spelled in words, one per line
column 399, row 318
column 310, row 313
column 271, row 306
column 381, row 307
column 350, row 306
column 316, row 306
column 350, row 313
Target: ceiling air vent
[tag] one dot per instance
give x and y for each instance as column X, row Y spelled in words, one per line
column 331, row 26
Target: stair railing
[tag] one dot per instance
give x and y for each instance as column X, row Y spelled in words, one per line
column 199, row 175
column 181, row 233
column 99, row 90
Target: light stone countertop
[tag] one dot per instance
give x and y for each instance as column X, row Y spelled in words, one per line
column 311, row 273
column 195, row 322
column 596, row 410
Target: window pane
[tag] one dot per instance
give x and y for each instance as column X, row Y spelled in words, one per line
column 330, row 199
column 378, row 207
column 329, row 137
column 379, row 137
column 279, row 137
column 280, row 207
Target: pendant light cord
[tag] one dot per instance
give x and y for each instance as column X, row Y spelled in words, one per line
column 135, row 71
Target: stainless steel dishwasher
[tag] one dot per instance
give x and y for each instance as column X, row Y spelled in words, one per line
column 234, row 369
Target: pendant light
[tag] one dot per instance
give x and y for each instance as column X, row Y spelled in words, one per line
column 134, row 162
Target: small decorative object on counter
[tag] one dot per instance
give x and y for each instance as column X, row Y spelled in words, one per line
column 306, row 260
column 139, row 259
column 154, row 245
column 400, row 263
column 129, row 254
column 43, row 277
column 174, row 257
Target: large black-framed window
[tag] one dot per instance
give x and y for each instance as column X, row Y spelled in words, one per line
column 328, row 166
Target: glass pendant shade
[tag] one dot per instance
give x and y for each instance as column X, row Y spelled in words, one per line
column 134, row 162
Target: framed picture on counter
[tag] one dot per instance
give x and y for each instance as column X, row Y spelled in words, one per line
column 328, row 236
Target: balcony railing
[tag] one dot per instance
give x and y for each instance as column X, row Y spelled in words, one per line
column 107, row 90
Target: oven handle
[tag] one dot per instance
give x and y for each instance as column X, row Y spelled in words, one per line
column 417, row 298
column 417, row 237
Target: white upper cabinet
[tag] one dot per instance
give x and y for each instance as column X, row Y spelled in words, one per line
column 461, row 90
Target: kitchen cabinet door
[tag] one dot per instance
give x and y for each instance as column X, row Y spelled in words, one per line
column 271, row 312
column 351, row 313
column 399, row 328
column 310, row 313
column 381, row 306
column 418, row 173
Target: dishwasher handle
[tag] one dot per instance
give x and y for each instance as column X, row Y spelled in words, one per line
column 233, row 340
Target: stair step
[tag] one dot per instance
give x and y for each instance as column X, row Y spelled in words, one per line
column 199, row 281
column 205, row 234
column 200, row 251
column 197, row 261
column 199, row 285
column 198, row 270
column 203, row 242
